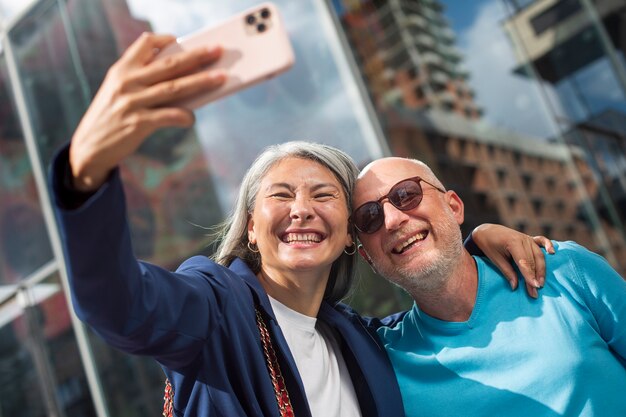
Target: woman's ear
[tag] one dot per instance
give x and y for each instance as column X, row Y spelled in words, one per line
column 349, row 239
column 251, row 233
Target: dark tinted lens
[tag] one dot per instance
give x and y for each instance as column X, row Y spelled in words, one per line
column 406, row 195
column 369, row 217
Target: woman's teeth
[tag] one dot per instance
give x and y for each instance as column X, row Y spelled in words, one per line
column 302, row 238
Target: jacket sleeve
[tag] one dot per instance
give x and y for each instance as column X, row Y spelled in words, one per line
column 472, row 247
column 135, row 306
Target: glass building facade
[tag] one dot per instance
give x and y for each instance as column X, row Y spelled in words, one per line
column 520, row 106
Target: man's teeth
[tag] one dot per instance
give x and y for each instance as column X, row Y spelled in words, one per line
column 303, row 237
column 399, row 248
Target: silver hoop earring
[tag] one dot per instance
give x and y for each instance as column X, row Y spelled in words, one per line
column 353, row 246
column 256, row 248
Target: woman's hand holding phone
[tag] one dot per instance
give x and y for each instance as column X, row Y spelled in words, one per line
column 255, row 47
column 134, row 100
column 158, row 80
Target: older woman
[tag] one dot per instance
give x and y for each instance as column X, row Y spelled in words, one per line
column 257, row 332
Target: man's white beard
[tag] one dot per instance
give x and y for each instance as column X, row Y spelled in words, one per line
column 434, row 274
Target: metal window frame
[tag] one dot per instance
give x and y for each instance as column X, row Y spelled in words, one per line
column 80, row 330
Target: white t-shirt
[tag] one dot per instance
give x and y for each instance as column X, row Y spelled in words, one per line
column 324, row 374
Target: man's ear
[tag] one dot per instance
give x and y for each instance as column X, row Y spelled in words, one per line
column 456, row 205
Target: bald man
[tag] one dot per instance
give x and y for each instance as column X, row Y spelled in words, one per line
column 470, row 346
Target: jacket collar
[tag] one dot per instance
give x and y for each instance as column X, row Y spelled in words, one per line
column 361, row 342
column 241, row 268
column 290, row 372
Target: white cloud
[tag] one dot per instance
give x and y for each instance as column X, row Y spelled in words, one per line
column 182, row 17
column 179, row 17
column 10, row 8
column 510, row 101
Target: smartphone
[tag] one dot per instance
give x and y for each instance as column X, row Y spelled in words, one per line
column 255, row 46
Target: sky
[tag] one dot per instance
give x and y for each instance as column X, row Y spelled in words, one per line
column 509, row 101
column 10, row 8
column 461, row 13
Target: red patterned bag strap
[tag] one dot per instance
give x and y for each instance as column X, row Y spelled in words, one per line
column 168, row 400
column 280, row 390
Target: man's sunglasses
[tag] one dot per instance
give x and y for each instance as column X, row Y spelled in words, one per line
column 405, row 195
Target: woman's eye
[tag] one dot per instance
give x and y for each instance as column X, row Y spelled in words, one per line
column 280, row 195
column 322, row 196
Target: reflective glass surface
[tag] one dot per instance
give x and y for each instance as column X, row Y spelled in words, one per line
column 57, row 83
column 312, row 101
column 42, row 373
column 509, row 100
column 180, row 182
column 24, row 243
column 519, row 106
column 133, row 386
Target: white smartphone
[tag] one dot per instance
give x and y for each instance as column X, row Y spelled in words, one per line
column 255, row 46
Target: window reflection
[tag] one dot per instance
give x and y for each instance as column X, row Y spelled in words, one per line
column 545, row 152
column 24, row 244
column 312, row 101
column 56, row 84
column 180, row 182
column 133, row 386
column 41, row 369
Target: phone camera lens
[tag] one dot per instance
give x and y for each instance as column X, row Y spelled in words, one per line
column 265, row 13
column 250, row 19
column 261, row 27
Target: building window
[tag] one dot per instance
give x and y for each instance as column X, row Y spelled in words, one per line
column 554, row 15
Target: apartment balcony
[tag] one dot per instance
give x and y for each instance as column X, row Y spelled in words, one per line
column 460, row 73
column 431, row 58
column 447, row 34
column 393, row 96
column 424, row 40
column 439, row 77
column 450, row 52
column 447, row 97
column 416, row 20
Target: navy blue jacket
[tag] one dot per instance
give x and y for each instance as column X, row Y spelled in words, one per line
column 199, row 322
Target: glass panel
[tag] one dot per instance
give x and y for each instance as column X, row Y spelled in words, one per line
column 312, row 101
column 24, row 243
column 516, row 105
column 579, row 57
column 133, row 386
column 181, row 181
column 41, row 369
column 579, row 67
column 55, row 90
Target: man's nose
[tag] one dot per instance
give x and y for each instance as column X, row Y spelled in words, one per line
column 394, row 218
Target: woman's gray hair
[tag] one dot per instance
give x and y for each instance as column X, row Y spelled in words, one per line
column 234, row 230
